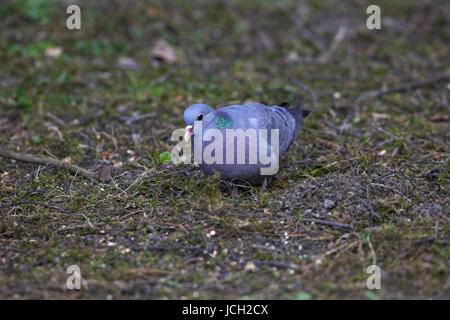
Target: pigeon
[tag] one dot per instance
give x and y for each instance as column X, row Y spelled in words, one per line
column 242, row 142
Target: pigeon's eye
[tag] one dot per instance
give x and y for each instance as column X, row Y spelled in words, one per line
column 200, row 117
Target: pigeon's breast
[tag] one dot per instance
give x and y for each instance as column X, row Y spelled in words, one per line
column 236, row 146
column 244, row 142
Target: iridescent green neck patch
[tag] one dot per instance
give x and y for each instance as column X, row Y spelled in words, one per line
column 223, row 120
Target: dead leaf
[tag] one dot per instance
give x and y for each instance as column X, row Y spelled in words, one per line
column 164, row 51
column 152, row 12
column 105, row 173
column 250, row 266
column 128, row 63
column 105, row 155
column 178, row 98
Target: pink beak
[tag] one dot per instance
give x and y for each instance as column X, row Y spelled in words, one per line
column 188, row 133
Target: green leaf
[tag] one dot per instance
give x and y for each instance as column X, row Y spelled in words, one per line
column 165, row 157
column 372, row 295
column 365, row 237
column 156, row 158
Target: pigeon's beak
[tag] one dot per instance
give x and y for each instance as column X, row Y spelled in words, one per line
column 188, row 133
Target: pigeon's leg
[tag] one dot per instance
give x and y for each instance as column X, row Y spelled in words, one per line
column 234, row 192
column 264, row 185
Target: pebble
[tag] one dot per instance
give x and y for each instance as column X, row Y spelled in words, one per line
column 328, row 204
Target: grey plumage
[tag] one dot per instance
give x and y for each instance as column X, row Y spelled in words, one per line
column 249, row 116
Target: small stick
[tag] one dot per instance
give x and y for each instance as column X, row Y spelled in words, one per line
column 82, row 226
column 402, row 87
column 132, row 119
column 257, row 246
column 307, row 34
column 15, row 204
column 47, row 161
column 8, row 249
column 436, row 226
column 368, row 204
column 176, row 248
column 339, row 36
column 425, row 240
column 386, row 132
column 309, row 90
column 391, row 172
column 329, row 223
column 275, row 264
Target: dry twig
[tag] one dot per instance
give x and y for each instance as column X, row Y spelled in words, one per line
column 338, row 38
column 368, row 204
column 132, row 119
column 402, row 87
column 47, row 161
column 329, row 223
column 307, row 34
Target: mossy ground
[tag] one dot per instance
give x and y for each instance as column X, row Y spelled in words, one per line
column 393, row 157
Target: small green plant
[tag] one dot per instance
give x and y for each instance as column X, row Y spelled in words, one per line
column 303, row 296
column 371, row 295
column 365, row 237
column 165, row 157
column 161, row 158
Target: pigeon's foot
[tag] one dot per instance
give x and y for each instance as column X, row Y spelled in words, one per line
column 264, row 185
column 234, row 192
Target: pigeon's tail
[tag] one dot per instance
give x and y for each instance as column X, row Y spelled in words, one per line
column 298, row 114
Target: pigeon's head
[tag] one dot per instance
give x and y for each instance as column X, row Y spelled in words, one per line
column 196, row 112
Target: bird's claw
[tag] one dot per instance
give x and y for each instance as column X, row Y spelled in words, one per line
column 264, row 185
column 234, row 192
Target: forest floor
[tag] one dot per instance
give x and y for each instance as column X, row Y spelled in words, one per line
column 366, row 182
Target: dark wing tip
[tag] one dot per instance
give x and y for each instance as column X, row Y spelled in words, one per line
column 305, row 113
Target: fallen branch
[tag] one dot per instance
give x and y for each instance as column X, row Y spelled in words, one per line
column 46, row 161
column 15, row 204
column 402, row 87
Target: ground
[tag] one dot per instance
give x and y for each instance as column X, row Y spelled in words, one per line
column 375, row 168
